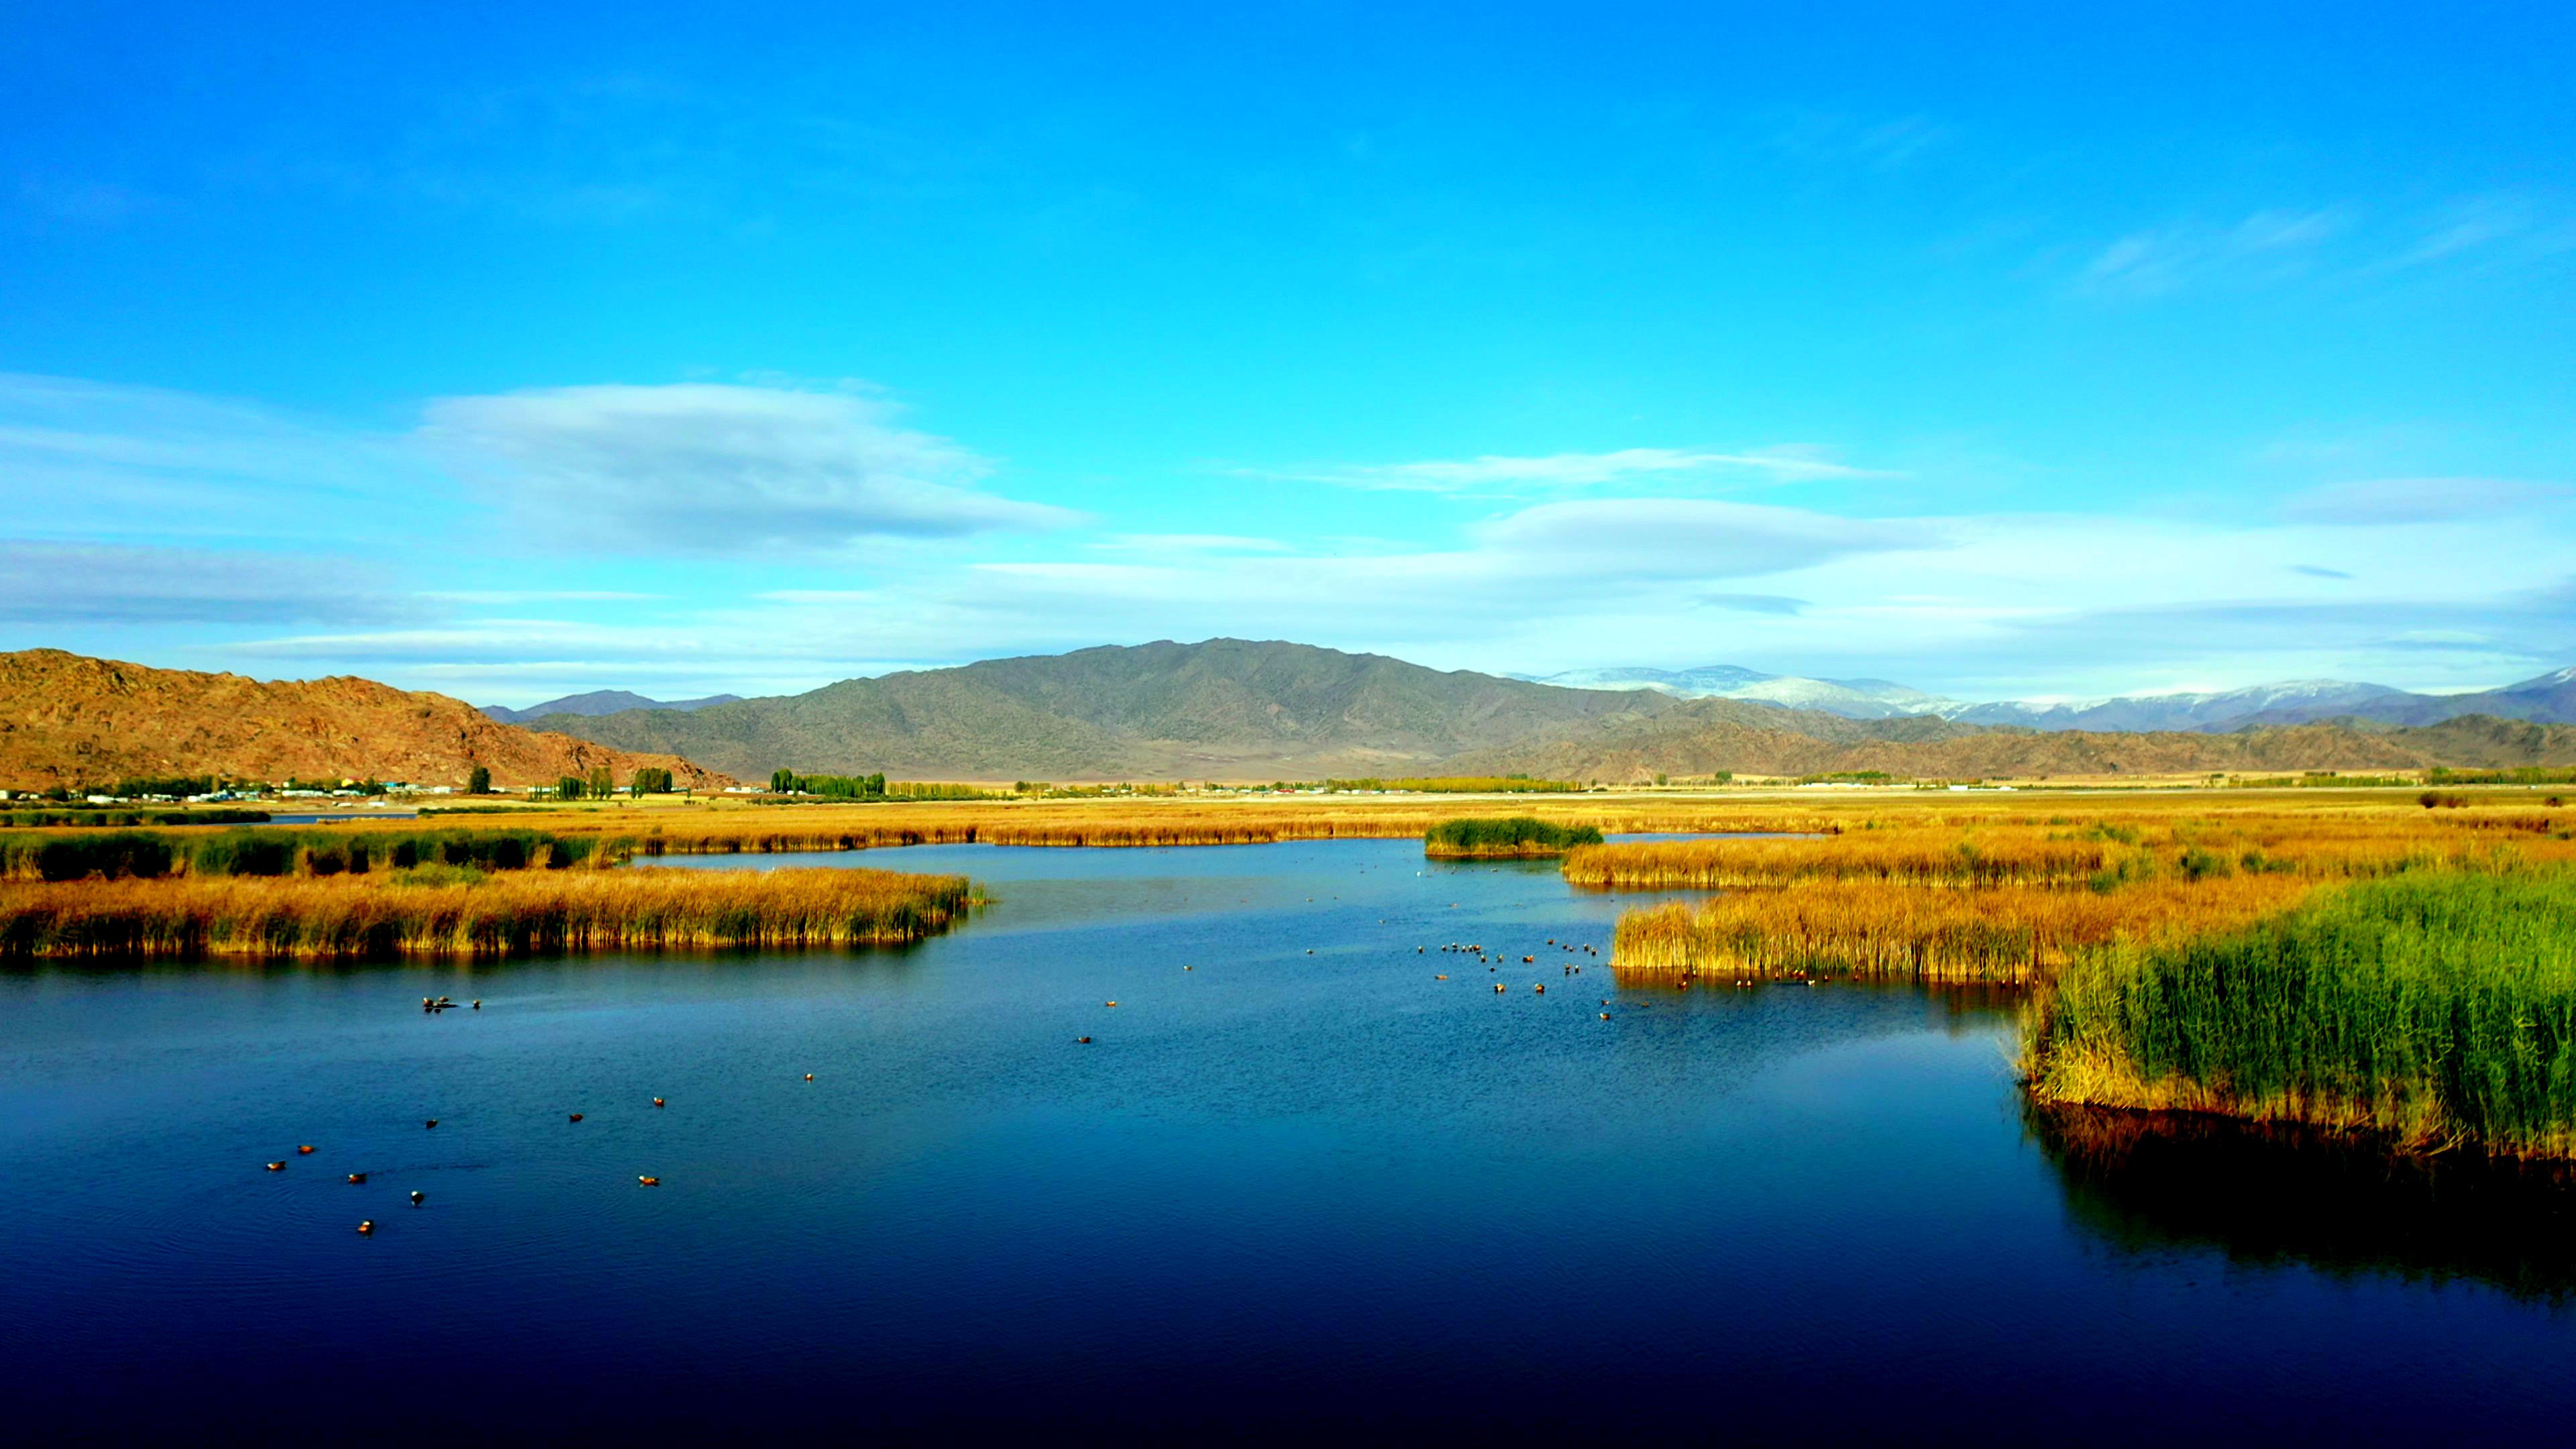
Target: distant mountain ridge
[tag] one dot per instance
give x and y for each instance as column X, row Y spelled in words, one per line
column 2546, row 699
column 1233, row 709
column 599, row 701
column 1224, row 708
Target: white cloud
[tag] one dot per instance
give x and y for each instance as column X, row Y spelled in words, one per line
column 708, row 468
column 2264, row 245
column 2379, row 501
column 1787, row 464
column 45, row 582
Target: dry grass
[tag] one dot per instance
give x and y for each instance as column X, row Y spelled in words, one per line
column 1877, row 930
column 2103, row 851
column 463, row 913
column 2015, row 896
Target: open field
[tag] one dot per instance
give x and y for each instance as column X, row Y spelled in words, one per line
column 451, row 911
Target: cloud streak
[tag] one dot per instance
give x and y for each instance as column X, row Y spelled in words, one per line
column 705, row 468
column 43, row 582
column 1786, row 464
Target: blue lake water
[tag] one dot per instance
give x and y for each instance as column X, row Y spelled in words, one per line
column 1302, row 1185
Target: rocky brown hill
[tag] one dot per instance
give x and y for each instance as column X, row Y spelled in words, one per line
column 70, row 720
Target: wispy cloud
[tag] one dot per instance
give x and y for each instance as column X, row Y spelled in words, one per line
column 2379, row 501
column 706, row 468
column 1790, row 463
column 1886, row 143
column 45, row 582
column 2189, row 254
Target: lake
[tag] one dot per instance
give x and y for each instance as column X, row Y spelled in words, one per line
column 1301, row 1185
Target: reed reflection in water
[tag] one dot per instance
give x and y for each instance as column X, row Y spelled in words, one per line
column 2344, row 1204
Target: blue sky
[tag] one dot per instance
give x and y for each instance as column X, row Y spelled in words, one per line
column 2002, row 351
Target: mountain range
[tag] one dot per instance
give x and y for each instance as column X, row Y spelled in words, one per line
column 599, row 701
column 1223, row 709
column 1239, row 709
column 2547, row 699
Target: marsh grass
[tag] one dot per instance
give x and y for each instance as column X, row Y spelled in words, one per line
column 2432, row 1007
column 457, row 910
column 1518, row 835
column 145, row 854
column 1883, row 931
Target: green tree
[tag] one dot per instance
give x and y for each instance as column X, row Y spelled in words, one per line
column 478, row 781
column 570, row 787
column 782, row 782
column 652, row 780
column 602, row 782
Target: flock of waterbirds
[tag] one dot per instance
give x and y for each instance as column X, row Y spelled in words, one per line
column 433, row 1005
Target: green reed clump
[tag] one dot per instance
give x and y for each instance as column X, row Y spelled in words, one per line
column 2435, row 1006
column 1517, row 835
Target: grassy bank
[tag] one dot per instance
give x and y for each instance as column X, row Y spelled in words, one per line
column 1519, row 835
column 462, row 912
column 2431, row 1007
column 1881, row 931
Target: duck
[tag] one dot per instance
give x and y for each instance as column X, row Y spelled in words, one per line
column 415, row 1197
column 1082, row 1041
column 1442, row 977
column 357, row 1177
column 304, row 1151
column 657, row 1101
column 277, row 1167
column 644, row 1181
column 433, row 1121
column 1498, row 988
column 478, row 1003
column 576, row 1116
column 1605, row 1016
column 809, row 1076
column 1540, row 988
column 1109, row 1003
column 366, row 1227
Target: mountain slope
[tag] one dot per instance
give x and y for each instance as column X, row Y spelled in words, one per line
column 1705, row 736
column 1228, row 708
column 70, row 720
column 599, row 701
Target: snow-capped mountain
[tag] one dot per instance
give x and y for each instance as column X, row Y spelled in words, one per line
column 2299, row 698
column 2548, row 699
column 1851, row 698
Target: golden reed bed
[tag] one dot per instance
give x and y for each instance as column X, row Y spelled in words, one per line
column 1873, row 930
column 509, row 913
column 2015, row 899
